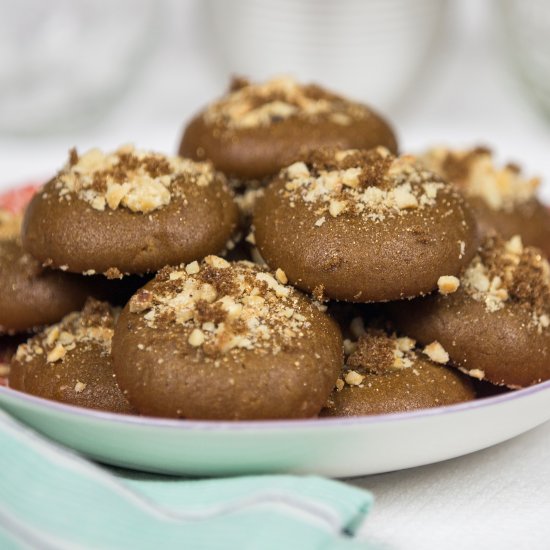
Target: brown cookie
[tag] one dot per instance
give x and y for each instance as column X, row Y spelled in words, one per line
column 504, row 200
column 384, row 374
column 257, row 129
column 129, row 212
column 70, row 362
column 32, row 296
column 225, row 341
column 495, row 326
column 363, row 226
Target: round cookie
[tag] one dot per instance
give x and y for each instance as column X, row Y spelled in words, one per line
column 363, row 226
column 384, row 374
column 225, row 341
column 30, row 295
column 70, row 362
column 257, row 129
column 503, row 199
column 129, row 212
column 495, row 325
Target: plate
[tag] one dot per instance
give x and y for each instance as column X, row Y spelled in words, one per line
column 335, row 447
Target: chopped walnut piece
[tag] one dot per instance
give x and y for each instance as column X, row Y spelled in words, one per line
column 475, row 373
column 280, row 275
column 353, row 378
column 448, row 284
column 337, row 207
column 196, row 338
column 56, row 354
column 217, row 262
column 141, row 301
column 436, row 352
column 192, row 268
column 79, row 387
column 514, row 245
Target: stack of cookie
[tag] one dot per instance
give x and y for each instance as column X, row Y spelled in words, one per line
column 288, row 264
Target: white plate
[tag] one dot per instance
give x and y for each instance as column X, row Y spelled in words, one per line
column 336, row 447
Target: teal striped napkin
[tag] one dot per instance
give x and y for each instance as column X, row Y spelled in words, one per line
column 50, row 498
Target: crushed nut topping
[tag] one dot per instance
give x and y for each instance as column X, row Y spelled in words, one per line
column 79, row 387
column 476, row 173
column 506, row 272
column 254, row 105
column 128, row 178
column 447, row 284
column 224, row 306
column 94, row 324
column 372, row 184
column 376, row 352
column 436, row 352
column 474, row 373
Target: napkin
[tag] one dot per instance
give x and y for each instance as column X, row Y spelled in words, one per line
column 52, row 498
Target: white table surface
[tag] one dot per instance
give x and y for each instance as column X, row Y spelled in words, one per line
column 497, row 498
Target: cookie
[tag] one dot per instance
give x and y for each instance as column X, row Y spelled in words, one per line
column 129, row 212
column 363, row 226
column 225, row 341
column 385, row 374
column 30, row 295
column 257, row 129
column 503, row 198
column 493, row 322
column 70, row 361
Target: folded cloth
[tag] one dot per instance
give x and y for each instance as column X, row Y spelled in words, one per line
column 52, row 498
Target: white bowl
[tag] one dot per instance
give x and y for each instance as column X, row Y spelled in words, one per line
column 369, row 49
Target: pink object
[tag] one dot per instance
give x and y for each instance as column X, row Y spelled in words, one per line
column 17, row 199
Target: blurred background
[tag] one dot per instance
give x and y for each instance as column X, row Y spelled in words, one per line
column 106, row 72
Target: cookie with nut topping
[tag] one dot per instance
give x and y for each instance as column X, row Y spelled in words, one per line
column 495, row 325
column 225, row 341
column 257, row 129
column 70, row 361
column 503, row 198
column 32, row 296
column 385, row 374
column 363, row 226
column 129, row 212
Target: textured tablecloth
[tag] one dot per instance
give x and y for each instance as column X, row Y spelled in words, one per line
column 497, row 498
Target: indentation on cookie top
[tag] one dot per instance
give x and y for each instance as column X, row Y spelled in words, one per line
column 507, row 272
column 129, row 178
column 475, row 172
column 225, row 306
column 93, row 325
column 10, row 225
column 377, row 353
column 253, row 105
column 371, row 184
